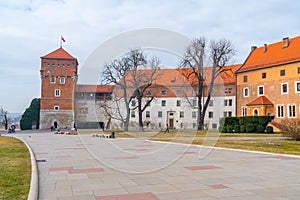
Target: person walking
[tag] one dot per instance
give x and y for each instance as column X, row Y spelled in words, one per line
column 167, row 128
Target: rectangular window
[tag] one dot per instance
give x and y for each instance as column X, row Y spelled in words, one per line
column 298, row 70
column 133, row 103
column 181, row 114
column 246, row 92
column 194, row 114
column 148, row 93
column 133, row 114
column 229, row 102
column 194, row 103
column 163, row 103
column 260, row 90
column 292, row 110
column 57, row 93
column 159, row 114
column 56, row 108
column 284, row 88
column 225, row 102
column 163, row 92
column 282, row 72
column 62, row 80
column 225, row 114
column 280, row 111
column 148, row 103
column 211, row 103
column 229, row 114
column 297, row 87
column 264, row 75
column 178, row 103
column 244, row 111
column 210, row 114
column 52, row 79
column 245, row 79
column 147, row 114
column 214, row 126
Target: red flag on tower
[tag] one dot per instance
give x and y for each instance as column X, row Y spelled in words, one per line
column 63, row 39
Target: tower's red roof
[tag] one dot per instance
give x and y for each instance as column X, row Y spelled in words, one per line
column 59, row 54
column 262, row 100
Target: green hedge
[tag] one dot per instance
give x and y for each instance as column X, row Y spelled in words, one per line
column 249, row 124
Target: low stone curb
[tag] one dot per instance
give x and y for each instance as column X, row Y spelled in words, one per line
column 34, row 183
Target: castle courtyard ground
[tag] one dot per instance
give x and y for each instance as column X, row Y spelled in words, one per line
column 86, row 167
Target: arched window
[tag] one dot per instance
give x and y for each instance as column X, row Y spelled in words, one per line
column 255, row 112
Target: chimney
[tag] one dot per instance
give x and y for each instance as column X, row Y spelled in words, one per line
column 253, row 48
column 266, row 48
column 285, row 42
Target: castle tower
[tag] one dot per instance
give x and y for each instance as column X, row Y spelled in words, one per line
column 58, row 76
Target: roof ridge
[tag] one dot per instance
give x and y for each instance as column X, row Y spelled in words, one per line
column 59, row 53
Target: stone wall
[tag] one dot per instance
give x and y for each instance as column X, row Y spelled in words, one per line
column 65, row 119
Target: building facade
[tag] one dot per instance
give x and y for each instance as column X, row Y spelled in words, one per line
column 175, row 102
column 58, row 80
column 268, row 83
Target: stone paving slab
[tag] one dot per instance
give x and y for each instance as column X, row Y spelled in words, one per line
column 86, row 167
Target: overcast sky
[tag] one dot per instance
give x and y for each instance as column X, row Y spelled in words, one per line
column 30, row 29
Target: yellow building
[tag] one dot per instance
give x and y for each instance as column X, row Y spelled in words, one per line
column 268, row 83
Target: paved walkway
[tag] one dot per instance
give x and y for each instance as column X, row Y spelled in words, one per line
column 86, row 167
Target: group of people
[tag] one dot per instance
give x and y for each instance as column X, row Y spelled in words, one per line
column 12, row 129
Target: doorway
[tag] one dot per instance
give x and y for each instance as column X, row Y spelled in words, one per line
column 171, row 123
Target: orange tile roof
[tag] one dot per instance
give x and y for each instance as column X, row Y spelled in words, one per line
column 95, row 88
column 276, row 54
column 176, row 77
column 59, row 53
column 262, row 100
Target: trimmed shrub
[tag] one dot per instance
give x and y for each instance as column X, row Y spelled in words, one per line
column 260, row 129
column 224, row 129
column 250, row 128
column 269, row 129
column 236, row 129
column 229, row 129
column 242, row 129
column 244, row 121
column 31, row 116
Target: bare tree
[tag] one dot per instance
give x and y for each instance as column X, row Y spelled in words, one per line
column 114, row 73
column 3, row 114
column 142, row 80
column 132, row 78
column 219, row 52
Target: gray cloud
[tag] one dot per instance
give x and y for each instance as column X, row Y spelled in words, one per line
column 32, row 28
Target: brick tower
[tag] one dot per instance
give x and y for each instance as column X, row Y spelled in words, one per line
column 58, row 77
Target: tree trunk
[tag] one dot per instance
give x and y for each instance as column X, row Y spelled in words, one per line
column 141, row 126
column 201, row 122
column 6, row 122
column 126, row 123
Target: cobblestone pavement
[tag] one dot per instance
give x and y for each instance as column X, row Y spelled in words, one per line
column 86, row 167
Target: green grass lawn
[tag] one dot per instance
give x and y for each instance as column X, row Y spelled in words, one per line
column 15, row 169
column 272, row 145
